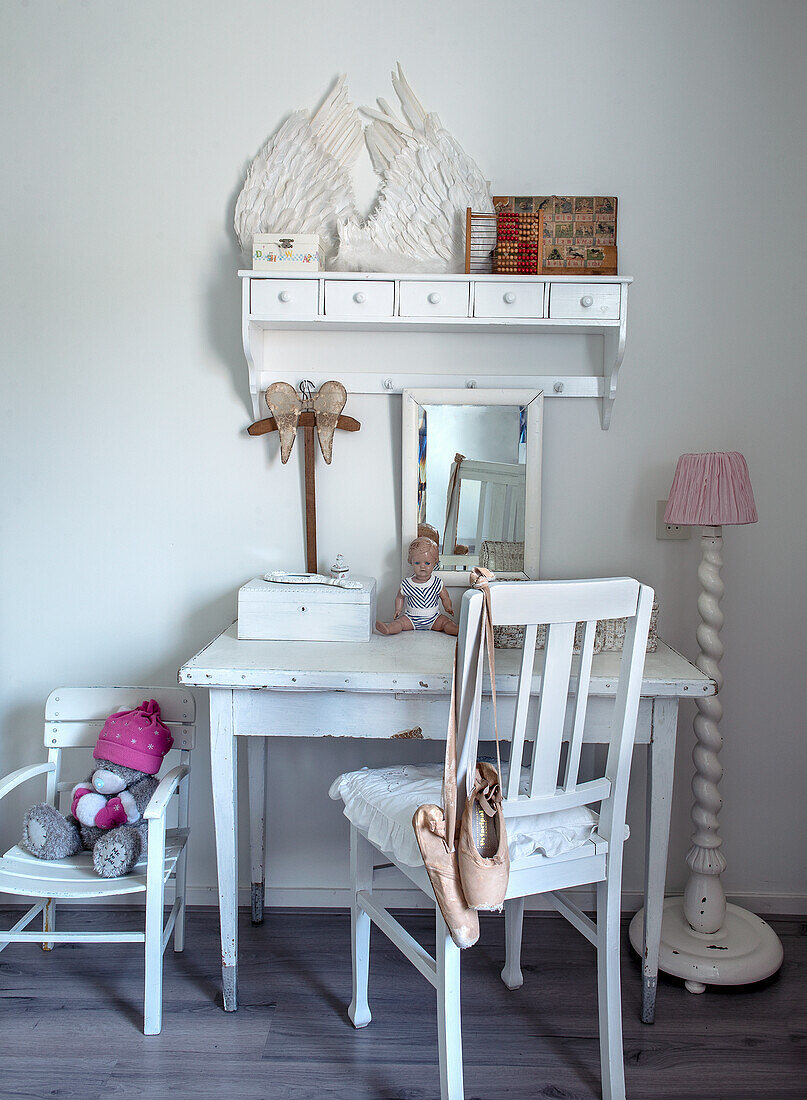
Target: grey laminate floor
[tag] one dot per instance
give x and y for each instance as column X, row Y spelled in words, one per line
column 71, row 1021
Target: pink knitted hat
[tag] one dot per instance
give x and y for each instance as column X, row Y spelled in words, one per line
column 135, row 738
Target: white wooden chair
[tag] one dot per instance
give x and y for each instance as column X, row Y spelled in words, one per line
column 550, row 783
column 73, row 720
column 500, row 510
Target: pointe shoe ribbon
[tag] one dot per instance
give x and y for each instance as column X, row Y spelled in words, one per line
column 480, row 579
column 467, row 876
column 488, row 797
column 434, row 831
column 483, row 857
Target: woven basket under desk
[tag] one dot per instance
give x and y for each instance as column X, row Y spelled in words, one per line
column 507, row 557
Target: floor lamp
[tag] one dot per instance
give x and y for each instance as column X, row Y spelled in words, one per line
column 703, row 939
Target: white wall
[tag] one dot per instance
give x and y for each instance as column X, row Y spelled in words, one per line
column 134, row 505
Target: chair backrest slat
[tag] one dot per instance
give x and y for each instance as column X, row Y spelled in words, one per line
column 591, row 791
column 580, row 706
column 620, row 750
column 552, row 708
column 83, row 735
column 521, row 710
column 480, row 515
column 565, row 601
column 507, row 513
column 495, row 524
column 77, row 704
column 52, row 791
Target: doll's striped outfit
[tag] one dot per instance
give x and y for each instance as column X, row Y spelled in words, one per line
column 421, row 601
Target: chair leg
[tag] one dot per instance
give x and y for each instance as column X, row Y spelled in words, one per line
column 179, row 886
column 513, row 923
column 181, row 875
column 155, row 906
column 361, row 878
column 49, row 922
column 609, row 993
column 449, row 1033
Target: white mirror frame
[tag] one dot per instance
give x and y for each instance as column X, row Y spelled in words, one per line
column 412, row 401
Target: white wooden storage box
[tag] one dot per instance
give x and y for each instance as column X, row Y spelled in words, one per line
column 271, row 611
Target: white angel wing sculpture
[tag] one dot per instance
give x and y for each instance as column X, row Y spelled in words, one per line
column 300, row 183
column 427, row 183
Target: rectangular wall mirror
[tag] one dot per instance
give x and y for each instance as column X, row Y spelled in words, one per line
column 471, row 469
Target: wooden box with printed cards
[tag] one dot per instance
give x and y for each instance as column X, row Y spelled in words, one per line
column 579, row 231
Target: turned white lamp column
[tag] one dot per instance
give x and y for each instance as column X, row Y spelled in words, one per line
column 703, row 939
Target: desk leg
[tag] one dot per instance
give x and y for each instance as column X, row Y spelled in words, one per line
column 224, row 775
column 257, row 748
column 659, row 803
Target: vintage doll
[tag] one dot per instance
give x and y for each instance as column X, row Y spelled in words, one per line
column 417, row 605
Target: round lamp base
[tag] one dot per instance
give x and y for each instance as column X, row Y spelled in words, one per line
column 744, row 950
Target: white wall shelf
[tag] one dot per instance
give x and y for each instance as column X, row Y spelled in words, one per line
column 360, row 302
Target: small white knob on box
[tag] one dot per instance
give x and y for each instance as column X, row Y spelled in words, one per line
column 509, row 297
column 434, row 298
column 586, row 301
column 284, row 296
column 359, row 297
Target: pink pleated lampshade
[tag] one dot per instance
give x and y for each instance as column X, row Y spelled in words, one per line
column 711, row 489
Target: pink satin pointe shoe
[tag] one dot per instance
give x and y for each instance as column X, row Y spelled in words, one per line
column 482, row 853
column 441, row 865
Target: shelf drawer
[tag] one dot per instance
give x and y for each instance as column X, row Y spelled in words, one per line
column 509, row 300
column 283, row 298
column 581, row 300
column 345, row 298
column 424, row 299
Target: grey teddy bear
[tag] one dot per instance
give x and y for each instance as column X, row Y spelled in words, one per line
column 106, row 812
column 48, row 834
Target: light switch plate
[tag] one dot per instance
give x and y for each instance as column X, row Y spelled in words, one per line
column 669, row 530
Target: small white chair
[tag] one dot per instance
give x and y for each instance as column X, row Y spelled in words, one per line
column 549, row 784
column 73, row 720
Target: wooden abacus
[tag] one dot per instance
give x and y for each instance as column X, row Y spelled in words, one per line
column 519, row 243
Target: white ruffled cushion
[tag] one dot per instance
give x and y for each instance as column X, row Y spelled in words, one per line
column 381, row 802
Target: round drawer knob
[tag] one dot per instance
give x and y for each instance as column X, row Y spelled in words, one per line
column 586, row 301
column 284, row 296
column 435, row 298
column 509, row 297
column 359, row 297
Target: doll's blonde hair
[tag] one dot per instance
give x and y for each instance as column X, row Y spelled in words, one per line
column 424, row 545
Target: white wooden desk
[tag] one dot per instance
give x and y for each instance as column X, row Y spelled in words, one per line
column 377, row 689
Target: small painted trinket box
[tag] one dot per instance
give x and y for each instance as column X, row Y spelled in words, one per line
column 285, row 252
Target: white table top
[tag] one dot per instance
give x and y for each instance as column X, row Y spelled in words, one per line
column 410, row 662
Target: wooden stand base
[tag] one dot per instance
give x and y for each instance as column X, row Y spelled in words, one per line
column 745, row 949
